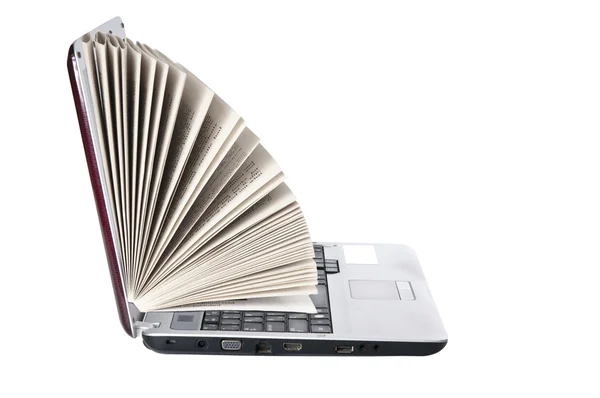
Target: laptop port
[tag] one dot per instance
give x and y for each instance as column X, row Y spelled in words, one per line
column 292, row 346
column 231, row 345
column 203, row 344
column 344, row 349
column 263, row 348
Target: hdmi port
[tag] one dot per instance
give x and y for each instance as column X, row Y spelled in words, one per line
column 292, row 346
column 344, row 349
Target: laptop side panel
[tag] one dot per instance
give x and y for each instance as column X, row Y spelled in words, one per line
column 263, row 345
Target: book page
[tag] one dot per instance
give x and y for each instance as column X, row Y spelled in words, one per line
column 117, row 61
column 254, row 174
column 218, row 133
column 232, row 161
column 132, row 65
column 300, row 272
column 212, row 267
column 145, row 99
column 288, row 219
column 295, row 270
column 270, row 204
column 297, row 247
column 297, row 303
column 105, row 76
column 262, row 290
column 275, row 294
column 158, row 91
column 220, row 224
column 188, row 249
column 172, row 95
column 195, row 101
column 131, row 98
column 259, row 238
column 266, row 256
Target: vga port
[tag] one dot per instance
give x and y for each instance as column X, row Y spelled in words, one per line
column 231, row 345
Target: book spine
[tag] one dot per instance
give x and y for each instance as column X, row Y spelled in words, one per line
column 88, row 146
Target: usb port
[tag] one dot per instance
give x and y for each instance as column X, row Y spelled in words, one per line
column 344, row 349
column 292, row 346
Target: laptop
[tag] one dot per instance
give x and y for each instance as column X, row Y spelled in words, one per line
column 371, row 300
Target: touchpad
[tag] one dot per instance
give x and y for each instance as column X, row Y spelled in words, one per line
column 374, row 290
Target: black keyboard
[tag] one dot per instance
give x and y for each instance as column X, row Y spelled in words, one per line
column 258, row 321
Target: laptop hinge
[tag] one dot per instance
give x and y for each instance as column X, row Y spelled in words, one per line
column 139, row 327
column 137, row 321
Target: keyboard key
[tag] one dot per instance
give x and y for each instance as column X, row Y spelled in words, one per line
column 275, row 327
column 211, row 319
column 319, row 253
column 298, row 325
column 320, row 322
column 257, row 319
column 332, row 266
column 297, row 316
column 230, row 322
column 322, row 310
column 231, row 312
column 210, row 326
column 275, row 313
column 319, row 316
column 321, row 329
column 253, row 327
column 276, row 318
column 231, row 328
column 253, row 314
column 231, row 316
column 212, row 313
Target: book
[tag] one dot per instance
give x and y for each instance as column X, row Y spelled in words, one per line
column 198, row 209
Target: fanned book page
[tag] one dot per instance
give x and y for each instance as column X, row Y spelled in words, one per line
column 201, row 212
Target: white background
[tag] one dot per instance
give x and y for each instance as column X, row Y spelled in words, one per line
column 467, row 130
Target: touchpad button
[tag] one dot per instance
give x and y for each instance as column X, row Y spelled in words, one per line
column 374, row 290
